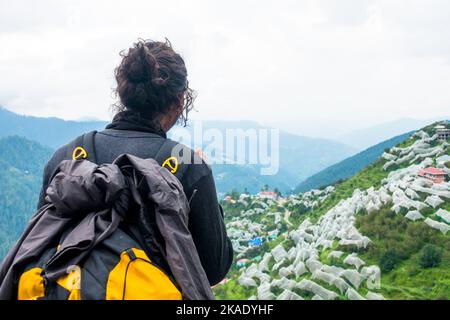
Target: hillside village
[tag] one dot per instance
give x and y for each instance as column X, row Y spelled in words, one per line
column 382, row 234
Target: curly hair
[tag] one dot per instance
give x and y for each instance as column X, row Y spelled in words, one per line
column 151, row 78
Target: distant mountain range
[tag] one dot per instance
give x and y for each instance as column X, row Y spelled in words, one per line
column 299, row 156
column 350, row 166
column 51, row 132
column 364, row 138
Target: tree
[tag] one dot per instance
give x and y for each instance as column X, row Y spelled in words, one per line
column 430, row 257
column 389, row 260
column 278, row 192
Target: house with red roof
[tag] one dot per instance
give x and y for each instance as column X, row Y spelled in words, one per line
column 434, row 174
column 229, row 199
column 268, row 195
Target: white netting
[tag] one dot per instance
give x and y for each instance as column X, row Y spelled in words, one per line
column 300, row 269
column 279, row 253
column 336, row 271
column 353, row 260
column 264, row 263
column 374, row 296
column 372, row 274
column 341, row 285
column 353, row 277
column 264, row 293
column 414, row 215
column 286, row 271
column 313, row 265
column 441, row 226
column 289, row 295
column 444, row 215
column 324, row 276
column 284, row 283
column 354, row 295
column 434, row 201
column 313, row 287
column 247, row 282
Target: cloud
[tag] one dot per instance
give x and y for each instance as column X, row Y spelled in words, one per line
column 300, row 64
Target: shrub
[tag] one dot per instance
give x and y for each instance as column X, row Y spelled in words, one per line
column 389, row 260
column 430, row 256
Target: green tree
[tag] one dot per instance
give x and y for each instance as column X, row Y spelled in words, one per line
column 278, row 192
column 430, row 257
column 389, row 260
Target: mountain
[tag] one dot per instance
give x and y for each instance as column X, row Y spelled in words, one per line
column 383, row 233
column 21, row 165
column 364, row 138
column 348, row 167
column 51, row 132
column 299, row 156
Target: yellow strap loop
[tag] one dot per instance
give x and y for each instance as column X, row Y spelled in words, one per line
column 78, row 153
column 171, row 163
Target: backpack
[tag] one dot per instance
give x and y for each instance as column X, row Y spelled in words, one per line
column 119, row 268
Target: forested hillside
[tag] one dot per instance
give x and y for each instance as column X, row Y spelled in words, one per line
column 384, row 233
column 348, row 167
column 21, row 165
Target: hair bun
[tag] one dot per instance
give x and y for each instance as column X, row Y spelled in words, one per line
column 136, row 72
column 159, row 81
column 151, row 77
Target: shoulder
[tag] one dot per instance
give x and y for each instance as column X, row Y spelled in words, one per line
column 193, row 166
column 59, row 155
column 62, row 153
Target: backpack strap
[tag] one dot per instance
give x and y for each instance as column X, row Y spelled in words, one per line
column 172, row 163
column 83, row 147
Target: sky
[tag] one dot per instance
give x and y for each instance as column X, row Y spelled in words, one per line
column 313, row 67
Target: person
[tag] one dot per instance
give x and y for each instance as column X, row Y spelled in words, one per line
column 154, row 95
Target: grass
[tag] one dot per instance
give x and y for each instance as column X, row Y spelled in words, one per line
column 407, row 280
column 410, row 281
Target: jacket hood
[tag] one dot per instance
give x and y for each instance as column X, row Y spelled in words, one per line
column 80, row 187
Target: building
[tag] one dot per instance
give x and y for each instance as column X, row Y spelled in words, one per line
column 436, row 175
column 442, row 132
column 268, row 195
column 256, row 242
column 229, row 199
column 242, row 263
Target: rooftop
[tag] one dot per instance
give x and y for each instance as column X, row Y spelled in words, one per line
column 433, row 171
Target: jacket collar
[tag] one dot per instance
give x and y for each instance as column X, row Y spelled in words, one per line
column 134, row 121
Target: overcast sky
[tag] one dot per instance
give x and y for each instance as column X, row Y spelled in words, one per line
column 301, row 64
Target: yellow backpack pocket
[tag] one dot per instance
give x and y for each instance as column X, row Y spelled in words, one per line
column 135, row 277
column 31, row 285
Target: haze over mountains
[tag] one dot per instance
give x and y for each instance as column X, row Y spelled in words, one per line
column 348, row 167
column 366, row 137
column 299, row 156
column 51, row 132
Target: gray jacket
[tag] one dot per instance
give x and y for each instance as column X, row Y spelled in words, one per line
column 98, row 199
